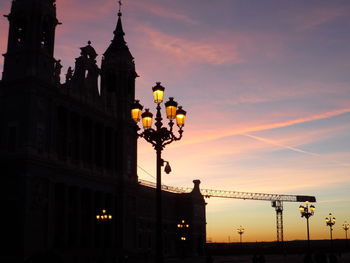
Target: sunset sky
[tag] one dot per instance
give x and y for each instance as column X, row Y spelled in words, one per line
column 266, row 87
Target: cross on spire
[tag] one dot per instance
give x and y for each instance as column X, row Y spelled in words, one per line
column 120, row 7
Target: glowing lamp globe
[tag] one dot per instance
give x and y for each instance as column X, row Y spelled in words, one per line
column 147, row 119
column 312, row 208
column 158, row 93
column 171, row 107
column 180, row 117
column 136, row 110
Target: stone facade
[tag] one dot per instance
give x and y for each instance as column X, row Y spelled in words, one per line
column 69, row 150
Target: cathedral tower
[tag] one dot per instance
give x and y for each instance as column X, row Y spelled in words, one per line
column 31, row 40
column 118, row 91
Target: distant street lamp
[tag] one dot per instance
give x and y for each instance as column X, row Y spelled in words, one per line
column 159, row 138
column 307, row 211
column 103, row 217
column 183, row 229
column 330, row 221
column 346, row 227
column 240, row 231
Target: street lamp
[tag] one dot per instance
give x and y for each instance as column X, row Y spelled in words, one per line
column 330, row 221
column 240, row 231
column 346, row 227
column 103, row 217
column 183, row 227
column 307, row 211
column 159, row 137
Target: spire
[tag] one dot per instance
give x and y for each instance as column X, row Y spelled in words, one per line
column 118, row 49
column 118, row 32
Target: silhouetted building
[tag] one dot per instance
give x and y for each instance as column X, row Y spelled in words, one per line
column 69, row 151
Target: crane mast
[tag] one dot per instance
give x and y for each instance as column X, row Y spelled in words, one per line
column 278, row 205
column 275, row 199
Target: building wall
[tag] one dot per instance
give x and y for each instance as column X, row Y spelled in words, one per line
column 68, row 149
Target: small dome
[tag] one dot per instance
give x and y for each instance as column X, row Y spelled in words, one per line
column 89, row 51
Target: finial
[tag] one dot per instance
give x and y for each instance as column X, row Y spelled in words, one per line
column 120, row 7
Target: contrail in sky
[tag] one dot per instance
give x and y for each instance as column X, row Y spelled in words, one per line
column 268, row 141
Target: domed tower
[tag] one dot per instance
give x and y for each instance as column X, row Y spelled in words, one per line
column 31, row 40
column 118, row 92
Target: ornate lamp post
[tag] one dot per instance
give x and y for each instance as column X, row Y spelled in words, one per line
column 346, row 227
column 330, row 221
column 159, row 137
column 307, row 211
column 240, row 231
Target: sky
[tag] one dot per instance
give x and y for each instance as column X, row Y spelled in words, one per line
column 266, row 87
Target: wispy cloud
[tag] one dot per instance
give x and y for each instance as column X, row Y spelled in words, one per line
column 87, row 12
column 295, row 149
column 268, row 141
column 311, row 18
column 186, row 51
column 217, row 134
column 164, row 12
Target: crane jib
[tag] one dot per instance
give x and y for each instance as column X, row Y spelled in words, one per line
column 235, row 194
column 304, row 198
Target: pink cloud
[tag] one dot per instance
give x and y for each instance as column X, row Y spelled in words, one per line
column 180, row 55
column 68, row 10
column 214, row 52
column 309, row 19
column 163, row 12
column 4, row 9
column 201, row 136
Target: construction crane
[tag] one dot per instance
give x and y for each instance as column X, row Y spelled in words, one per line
column 275, row 199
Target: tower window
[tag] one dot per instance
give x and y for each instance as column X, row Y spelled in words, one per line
column 20, row 33
column 45, row 35
column 43, row 39
column 19, row 39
